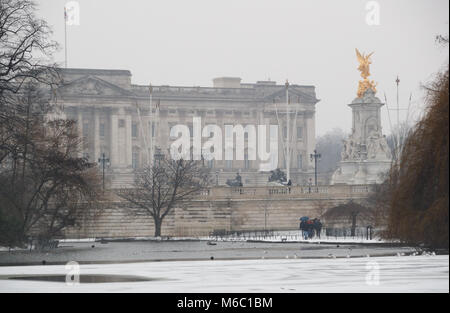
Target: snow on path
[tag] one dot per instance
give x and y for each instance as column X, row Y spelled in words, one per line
column 297, row 239
column 396, row 274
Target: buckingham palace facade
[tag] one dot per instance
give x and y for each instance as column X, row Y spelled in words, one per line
column 114, row 118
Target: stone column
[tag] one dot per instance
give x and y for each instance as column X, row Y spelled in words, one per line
column 260, row 121
column 128, row 141
column 310, row 136
column 114, row 157
column 96, row 135
column 80, row 131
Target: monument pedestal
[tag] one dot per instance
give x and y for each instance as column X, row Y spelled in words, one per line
column 366, row 156
column 360, row 172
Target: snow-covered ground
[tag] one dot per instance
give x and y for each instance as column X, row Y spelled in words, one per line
column 145, row 251
column 289, row 237
column 424, row 273
column 274, row 236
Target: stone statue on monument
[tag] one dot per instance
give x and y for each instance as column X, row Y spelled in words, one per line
column 373, row 145
column 351, row 150
column 344, row 152
column 377, row 146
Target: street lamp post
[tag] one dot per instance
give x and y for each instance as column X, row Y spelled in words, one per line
column 398, row 148
column 105, row 162
column 316, row 156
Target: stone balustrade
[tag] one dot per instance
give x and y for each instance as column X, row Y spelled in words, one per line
column 270, row 192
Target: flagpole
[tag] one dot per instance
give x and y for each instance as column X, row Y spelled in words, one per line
column 398, row 122
column 152, row 128
column 65, row 37
column 288, row 150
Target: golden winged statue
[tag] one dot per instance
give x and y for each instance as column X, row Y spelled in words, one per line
column 364, row 68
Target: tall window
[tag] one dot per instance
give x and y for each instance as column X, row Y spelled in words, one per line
column 211, row 163
column 134, row 130
column 152, row 129
column 101, row 130
column 121, row 123
column 299, row 133
column 299, row 161
column 135, row 159
column 229, row 164
column 246, row 161
column 284, row 132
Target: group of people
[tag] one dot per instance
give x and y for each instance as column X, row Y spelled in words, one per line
column 310, row 227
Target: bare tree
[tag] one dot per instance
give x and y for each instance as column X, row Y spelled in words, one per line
column 400, row 133
column 378, row 203
column 266, row 204
column 44, row 186
column 418, row 206
column 158, row 189
column 25, row 54
column 25, row 47
column 321, row 206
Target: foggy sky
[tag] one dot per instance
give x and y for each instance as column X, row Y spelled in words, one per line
column 312, row 42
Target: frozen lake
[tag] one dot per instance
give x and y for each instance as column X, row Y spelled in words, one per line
column 379, row 274
column 140, row 251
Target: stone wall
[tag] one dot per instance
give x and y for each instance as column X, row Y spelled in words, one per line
column 224, row 208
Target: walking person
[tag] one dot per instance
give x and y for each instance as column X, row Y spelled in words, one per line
column 304, row 227
column 318, row 227
column 310, row 227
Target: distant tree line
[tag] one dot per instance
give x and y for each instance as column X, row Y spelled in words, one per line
column 330, row 147
column 331, row 143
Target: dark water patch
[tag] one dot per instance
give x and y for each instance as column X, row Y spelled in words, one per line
column 84, row 279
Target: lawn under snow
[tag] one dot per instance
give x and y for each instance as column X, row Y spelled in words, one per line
column 296, row 238
column 424, row 273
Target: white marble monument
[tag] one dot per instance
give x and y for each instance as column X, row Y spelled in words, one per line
column 365, row 156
